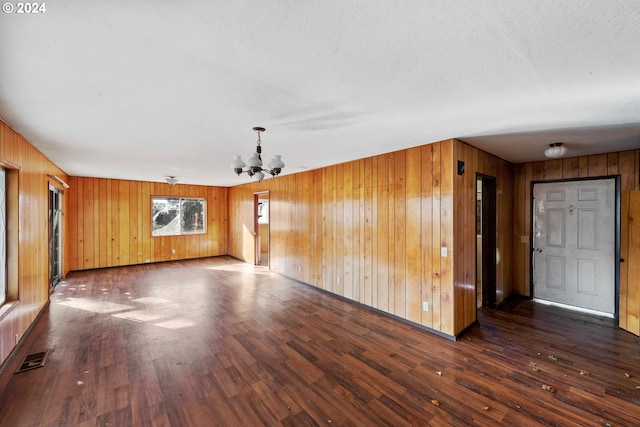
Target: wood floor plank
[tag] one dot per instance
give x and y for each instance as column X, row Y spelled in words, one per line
column 217, row 342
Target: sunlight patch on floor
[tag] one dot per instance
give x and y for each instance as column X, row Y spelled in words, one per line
column 95, row 306
column 151, row 300
column 242, row 268
column 178, row 323
column 140, row 316
column 574, row 308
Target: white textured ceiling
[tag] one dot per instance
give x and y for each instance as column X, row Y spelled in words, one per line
column 144, row 89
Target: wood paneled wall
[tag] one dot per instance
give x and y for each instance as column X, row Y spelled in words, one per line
column 630, row 268
column 477, row 161
column 110, row 223
column 372, row 230
column 31, row 234
column 627, row 165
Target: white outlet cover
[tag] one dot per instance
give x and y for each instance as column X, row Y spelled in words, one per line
column 443, row 251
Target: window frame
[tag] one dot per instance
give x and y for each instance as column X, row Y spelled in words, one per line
column 12, row 196
column 180, row 214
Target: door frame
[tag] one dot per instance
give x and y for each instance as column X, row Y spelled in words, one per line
column 617, row 213
column 489, row 239
column 58, row 194
column 256, row 228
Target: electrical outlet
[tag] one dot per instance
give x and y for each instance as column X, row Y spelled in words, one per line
column 338, row 280
column 17, row 338
column 444, row 251
column 300, row 268
column 425, row 305
column 173, row 251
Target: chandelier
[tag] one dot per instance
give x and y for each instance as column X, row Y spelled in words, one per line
column 253, row 167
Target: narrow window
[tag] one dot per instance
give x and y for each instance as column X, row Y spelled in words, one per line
column 3, row 237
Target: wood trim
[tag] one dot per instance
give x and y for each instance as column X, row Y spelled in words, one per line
column 12, row 177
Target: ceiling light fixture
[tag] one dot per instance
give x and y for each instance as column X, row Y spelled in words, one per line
column 171, row 180
column 254, row 163
column 555, row 150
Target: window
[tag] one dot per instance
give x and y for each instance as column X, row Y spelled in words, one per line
column 173, row 216
column 263, row 212
column 9, row 219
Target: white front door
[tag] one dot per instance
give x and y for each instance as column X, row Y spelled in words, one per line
column 574, row 243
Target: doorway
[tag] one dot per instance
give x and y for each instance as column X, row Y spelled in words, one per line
column 574, row 244
column 261, row 225
column 485, row 241
column 55, row 237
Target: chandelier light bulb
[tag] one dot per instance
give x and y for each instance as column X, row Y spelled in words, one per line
column 254, row 161
column 237, row 164
column 276, row 162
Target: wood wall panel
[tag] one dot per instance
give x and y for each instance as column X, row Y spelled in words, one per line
column 627, row 168
column 429, row 214
column 382, row 251
column 30, row 239
column 436, row 230
column 112, row 223
column 626, row 164
column 570, row 167
column 372, row 230
column 339, row 230
column 399, row 239
column 464, row 284
column 369, row 228
column 632, row 296
column 349, row 231
column 413, row 233
column 447, row 277
column 624, row 251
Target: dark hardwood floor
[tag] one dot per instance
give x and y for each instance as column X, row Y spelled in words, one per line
column 216, row 342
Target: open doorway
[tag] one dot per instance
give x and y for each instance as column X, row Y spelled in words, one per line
column 55, row 237
column 261, row 224
column 486, row 241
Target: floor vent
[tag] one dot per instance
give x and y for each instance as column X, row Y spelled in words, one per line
column 33, row 361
